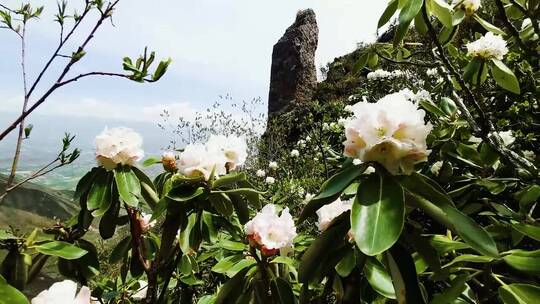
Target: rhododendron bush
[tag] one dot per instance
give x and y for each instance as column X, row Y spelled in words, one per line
column 414, row 188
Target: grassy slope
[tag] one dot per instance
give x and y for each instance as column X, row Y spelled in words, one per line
column 33, row 205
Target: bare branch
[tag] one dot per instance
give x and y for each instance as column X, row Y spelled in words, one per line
column 99, row 74
column 416, row 63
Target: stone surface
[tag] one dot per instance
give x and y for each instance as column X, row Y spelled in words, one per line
column 293, row 76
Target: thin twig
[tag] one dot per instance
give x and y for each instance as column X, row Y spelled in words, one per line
column 99, row 74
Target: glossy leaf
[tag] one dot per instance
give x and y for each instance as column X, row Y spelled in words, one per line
column 121, row 250
column 531, row 231
column 406, row 16
column 388, row 13
column 443, row 12
column 519, row 294
column 403, row 274
column 504, row 77
column 488, row 26
column 524, row 261
column 60, row 249
column 10, row 294
column 282, row 291
column 331, row 189
column 378, row 278
column 450, row 294
column 233, row 288
column 377, row 214
column 129, row 187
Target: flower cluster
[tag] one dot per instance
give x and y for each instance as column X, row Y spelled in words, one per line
column 118, row 146
column 271, row 232
column 64, row 292
column 382, row 74
column 328, row 212
column 218, row 155
column 490, row 46
column 391, row 132
column 468, row 6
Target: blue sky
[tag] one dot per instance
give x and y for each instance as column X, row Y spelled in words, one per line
column 218, row 47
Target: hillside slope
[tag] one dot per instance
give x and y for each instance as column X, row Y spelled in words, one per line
column 33, row 205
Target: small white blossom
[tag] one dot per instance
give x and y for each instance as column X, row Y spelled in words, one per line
column 301, row 191
column 432, row 72
column 270, row 180
column 507, row 137
column 271, row 232
column 325, row 126
column 436, row 167
column 308, row 138
column 301, row 143
column 273, row 165
column 391, row 132
column 260, row 173
column 295, row 153
column 118, row 146
column 378, row 74
column 357, row 161
column 64, row 292
column 328, row 212
column 488, row 47
column 469, row 6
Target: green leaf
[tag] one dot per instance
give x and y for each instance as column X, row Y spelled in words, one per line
column 420, row 25
column 531, row 231
column 524, row 261
column 60, row 249
column 321, row 250
column 373, row 60
column 331, row 189
column 443, row 244
column 107, row 224
column 121, row 250
column 388, row 13
column 406, row 16
column 528, row 195
column 377, row 214
column 379, row 278
column 471, row 258
column 183, row 195
column 222, row 203
column 450, row 294
column 85, row 183
column 228, row 179
column 233, row 288
column 28, row 130
column 282, row 291
column 148, row 189
column 432, row 108
column 472, row 69
column 233, row 246
column 129, row 187
column 99, row 197
column 504, row 77
column 347, row 264
column 448, row 106
column 151, row 160
column 403, row 274
column 161, row 69
column 488, row 26
column 226, row 263
column 519, row 294
column 360, row 63
column 443, row 12
column 10, row 294
column 440, row 206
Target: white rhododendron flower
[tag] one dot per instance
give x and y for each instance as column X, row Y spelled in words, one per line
column 391, row 132
column 369, row 170
column 295, row 153
column 469, row 6
column 260, row 173
column 507, row 137
column 271, row 232
column 234, row 149
column 490, row 46
column 168, row 159
column 357, row 162
column 328, row 212
column 436, row 167
column 196, row 160
column 270, row 180
column 145, row 222
column 64, row 292
column 118, row 146
column 273, row 165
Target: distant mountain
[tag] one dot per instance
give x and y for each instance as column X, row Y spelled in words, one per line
column 33, row 205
